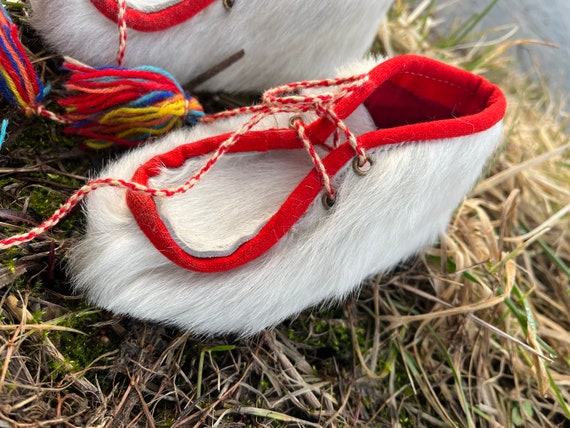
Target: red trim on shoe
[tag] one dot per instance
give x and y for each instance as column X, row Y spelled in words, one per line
column 159, row 20
column 474, row 104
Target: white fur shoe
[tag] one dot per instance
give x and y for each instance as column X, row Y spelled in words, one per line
column 284, row 40
column 251, row 242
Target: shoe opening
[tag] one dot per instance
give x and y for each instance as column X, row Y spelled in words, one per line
column 410, row 97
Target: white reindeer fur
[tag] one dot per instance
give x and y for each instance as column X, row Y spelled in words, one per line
column 401, row 205
column 284, row 40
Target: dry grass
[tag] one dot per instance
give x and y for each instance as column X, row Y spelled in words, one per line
column 475, row 332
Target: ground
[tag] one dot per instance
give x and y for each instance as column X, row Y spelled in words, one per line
column 473, row 332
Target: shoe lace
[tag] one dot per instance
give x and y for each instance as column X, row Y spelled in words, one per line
column 122, row 24
column 282, row 99
column 287, row 99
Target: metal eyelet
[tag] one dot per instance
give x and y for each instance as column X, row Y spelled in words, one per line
column 228, row 4
column 328, row 201
column 293, row 119
column 365, row 167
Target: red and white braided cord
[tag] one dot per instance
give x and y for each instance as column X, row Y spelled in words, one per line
column 40, row 110
column 276, row 100
column 122, row 23
column 272, row 102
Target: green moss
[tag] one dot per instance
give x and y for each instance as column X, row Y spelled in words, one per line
column 39, row 136
column 10, row 264
column 12, row 252
column 80, row 350
column 27, row 284
column 44, row 202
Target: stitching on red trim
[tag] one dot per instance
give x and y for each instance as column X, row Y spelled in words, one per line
column 448, row 83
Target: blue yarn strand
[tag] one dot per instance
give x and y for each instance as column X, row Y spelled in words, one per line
column 3, row 129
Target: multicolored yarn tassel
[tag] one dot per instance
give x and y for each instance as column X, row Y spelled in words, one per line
column 127, row 106
column 19, row 83
column 106, row 105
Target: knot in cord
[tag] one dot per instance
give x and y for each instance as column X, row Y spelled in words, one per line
column 322, row 104
column 287, row 99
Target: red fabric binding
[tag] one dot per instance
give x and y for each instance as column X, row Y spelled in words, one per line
column 407, row 96
column 153, row 21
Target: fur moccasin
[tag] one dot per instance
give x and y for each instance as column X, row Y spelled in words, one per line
column 235, row 225
column 283, row 41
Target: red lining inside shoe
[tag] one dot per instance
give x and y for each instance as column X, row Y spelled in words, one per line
column 409, row 98
column 153, row 21
column 422, row 104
